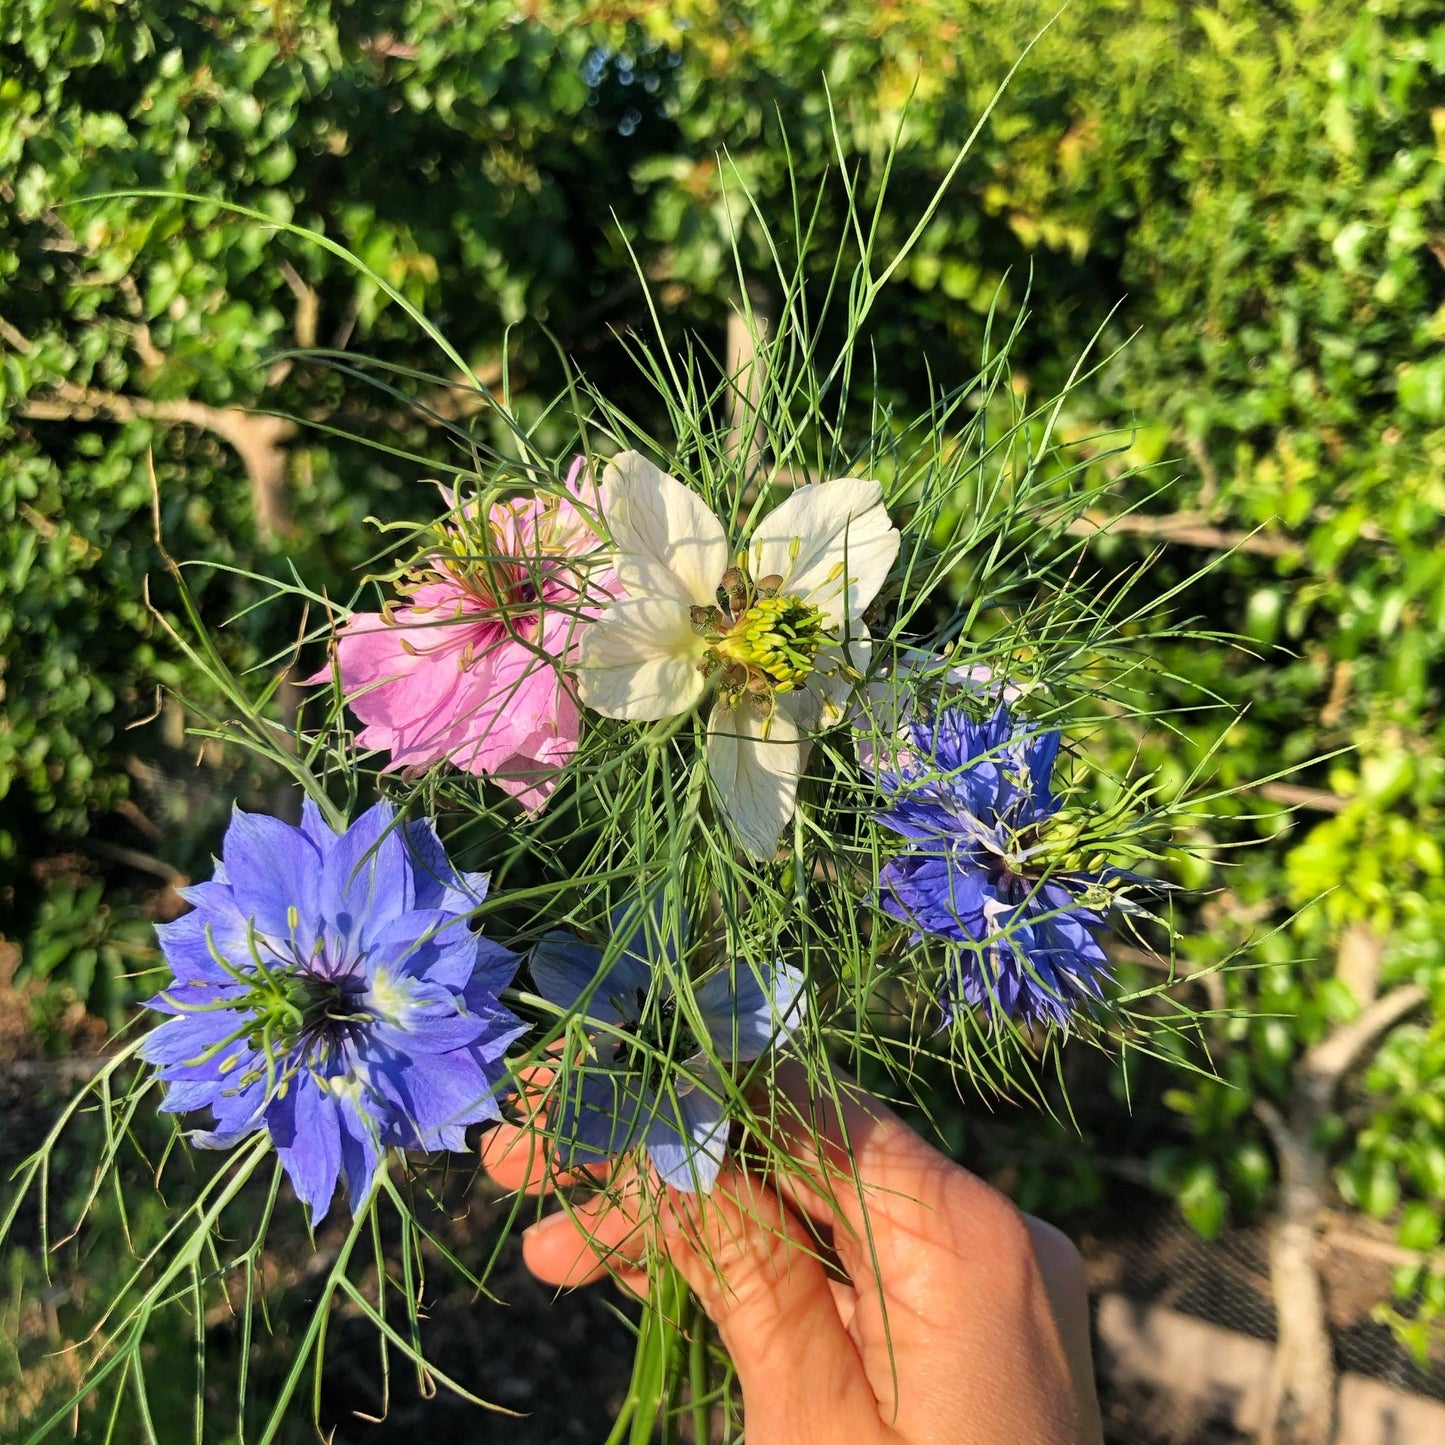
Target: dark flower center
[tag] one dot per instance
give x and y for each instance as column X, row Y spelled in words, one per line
column 645, row 1033
column 295, row 1008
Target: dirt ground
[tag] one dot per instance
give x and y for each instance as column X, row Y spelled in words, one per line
column 561, row 1363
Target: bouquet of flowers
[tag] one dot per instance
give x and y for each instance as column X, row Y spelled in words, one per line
column 761, row 733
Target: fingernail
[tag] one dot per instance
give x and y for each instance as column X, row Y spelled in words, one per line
column 541, row 1226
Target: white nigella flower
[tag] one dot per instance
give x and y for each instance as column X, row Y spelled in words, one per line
column 775, row 630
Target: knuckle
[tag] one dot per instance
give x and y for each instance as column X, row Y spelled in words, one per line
column 993, row 1232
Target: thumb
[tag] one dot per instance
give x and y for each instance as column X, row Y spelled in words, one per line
column 755, row 1268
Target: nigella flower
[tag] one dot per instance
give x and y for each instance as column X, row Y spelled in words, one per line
column 774, row 628
column 329, row 990
column 629, row 1092
column 991, row 863
column 470, row 668
column 915, row 682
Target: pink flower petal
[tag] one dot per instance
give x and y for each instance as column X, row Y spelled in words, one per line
column 444, row 678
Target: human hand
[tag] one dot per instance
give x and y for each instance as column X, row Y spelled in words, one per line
column 951, row 1318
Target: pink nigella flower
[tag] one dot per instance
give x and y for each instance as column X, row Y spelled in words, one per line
column 469, row 668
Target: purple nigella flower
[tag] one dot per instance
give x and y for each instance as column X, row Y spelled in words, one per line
column 987, row 866
column 330, row 991
column 629, row 1092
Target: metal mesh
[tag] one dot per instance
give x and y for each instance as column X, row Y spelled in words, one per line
column 1151, row 1256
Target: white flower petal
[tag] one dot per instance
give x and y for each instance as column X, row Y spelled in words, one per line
column 836, row 670
column 807, row 538
column 668, row 542
column 640, row 660
column 754, row 764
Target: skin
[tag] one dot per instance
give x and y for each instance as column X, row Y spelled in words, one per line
column 879, row 1293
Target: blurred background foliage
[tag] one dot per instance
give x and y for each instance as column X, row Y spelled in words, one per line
column 1243, row 202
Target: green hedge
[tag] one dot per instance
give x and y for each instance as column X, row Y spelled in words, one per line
column 1245, row 202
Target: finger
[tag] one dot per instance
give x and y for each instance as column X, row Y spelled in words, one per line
column 582, row 1243
column 533, row 1084
column 937, row 1259
column 1068, row 1291
column 518, row 1153
column 514, row 1151
column 849, row 1145
column 634, row 1282
column 754, row 1266
column 845, row 1301
column 852, row 1166
column 519, row 1158
column 872, row 1186
column 516, row 1158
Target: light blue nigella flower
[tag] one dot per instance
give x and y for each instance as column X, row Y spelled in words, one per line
column 628, row 1093
column 988, row 866
column 329, row 990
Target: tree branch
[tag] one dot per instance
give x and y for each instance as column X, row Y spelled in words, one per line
column 1317, row 800
column 1332, row 1058
column 1189, row 529
column 257, row 440
column 1200, row 453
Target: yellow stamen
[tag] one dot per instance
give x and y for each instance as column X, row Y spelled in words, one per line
column 774, row 641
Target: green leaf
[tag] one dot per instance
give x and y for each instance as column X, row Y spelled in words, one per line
column 1202, row 1201
column 1381, row 1189
column 1422, row 389
column 1420, row 1226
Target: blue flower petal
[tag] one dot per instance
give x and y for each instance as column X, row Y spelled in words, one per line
column 688, row 1139
column 566, row 970
column 306, row 1129
column 426, row 943
column 272, row 868
column 367, row 882
column 743, row 1015
column 415, row 1018
column 437, row 883
column 962, row 794
column 360, row 1149
column 184, row 1095
column 438, row 1096
column 1043, row 753
column 500, row 1029
column 493, row 969
column 215, row 927
column 239, row 1110
column 622, row 1097
column 645, row 928
column 385, row 1018
column 600, row 1116
column 186, row 1039
column 319, row 833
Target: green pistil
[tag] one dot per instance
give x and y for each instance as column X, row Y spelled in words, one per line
column 1058, row 844
column 1081, row 840
column 287, row 1005
column 654, row 1033
column 466, row 551
column 774, row 641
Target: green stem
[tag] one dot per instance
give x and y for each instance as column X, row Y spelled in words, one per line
column 697, row 1362
column 660, row 1339
column 664, row 731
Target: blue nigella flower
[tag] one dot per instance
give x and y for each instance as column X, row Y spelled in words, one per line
column 329, row 990
column 629, row 1093
column 987, row 866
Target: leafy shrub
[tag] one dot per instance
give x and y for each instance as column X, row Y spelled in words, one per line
column 1250, row 197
